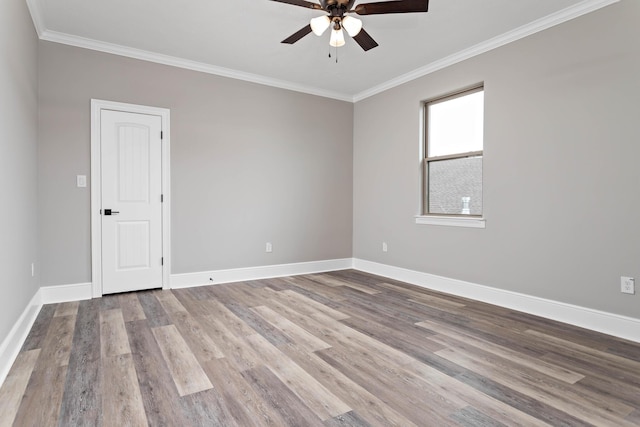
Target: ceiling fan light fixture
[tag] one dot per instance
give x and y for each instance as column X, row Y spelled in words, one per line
column 320, row 24
column 352, row 25
column 337, row 38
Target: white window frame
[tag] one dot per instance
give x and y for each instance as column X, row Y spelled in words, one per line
column 453, row 220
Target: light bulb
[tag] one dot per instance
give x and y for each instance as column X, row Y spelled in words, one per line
column 337, row 38
column 352, row 25
column 320, row 24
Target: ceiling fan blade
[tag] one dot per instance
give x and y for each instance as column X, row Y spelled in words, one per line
column 393, row 6
column 365, row 41
column 301, row 3
column 297, row 35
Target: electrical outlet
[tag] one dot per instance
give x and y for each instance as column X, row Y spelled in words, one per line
column 385, row 248
column 627, row 285
column 269, row 247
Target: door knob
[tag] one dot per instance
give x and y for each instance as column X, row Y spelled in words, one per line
column 111, row 212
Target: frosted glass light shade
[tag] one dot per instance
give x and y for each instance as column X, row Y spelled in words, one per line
column 352, row 25
column 320, row 24
column 337, row 38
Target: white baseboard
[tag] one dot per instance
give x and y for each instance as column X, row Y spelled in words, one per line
column 65, row 293
column 12, row 344
column 600, row 321
column 188, row 280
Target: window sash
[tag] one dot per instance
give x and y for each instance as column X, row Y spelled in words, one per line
column 425, row 183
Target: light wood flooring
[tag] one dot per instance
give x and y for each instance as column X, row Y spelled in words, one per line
column 335, row 349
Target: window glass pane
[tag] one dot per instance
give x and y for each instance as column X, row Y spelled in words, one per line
column 455, row 186
column 456, row 125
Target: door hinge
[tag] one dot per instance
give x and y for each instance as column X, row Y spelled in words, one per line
column 162, row 198
column 161, row 135
column 162, row 261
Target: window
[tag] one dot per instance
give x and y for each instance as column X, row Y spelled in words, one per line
column 453, row 155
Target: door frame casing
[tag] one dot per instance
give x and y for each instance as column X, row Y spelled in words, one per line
column 97, row 106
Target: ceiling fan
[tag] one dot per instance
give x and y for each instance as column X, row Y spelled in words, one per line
column 338, row 19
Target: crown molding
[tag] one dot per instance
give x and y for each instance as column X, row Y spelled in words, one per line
column 587, row 6
column 572, row 12
column 36, row 16
column 144, row 55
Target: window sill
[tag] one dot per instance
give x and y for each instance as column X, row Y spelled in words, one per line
column 451, row 221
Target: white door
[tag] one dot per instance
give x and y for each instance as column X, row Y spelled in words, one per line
column 131, row 204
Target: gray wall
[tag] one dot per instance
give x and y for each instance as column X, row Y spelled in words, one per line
column 249, row 164
column 18, row 151
column 561, row 174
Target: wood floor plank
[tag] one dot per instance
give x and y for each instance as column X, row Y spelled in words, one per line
column 159, row 394
column 399, row 310
column 315, row 396
column 113, row 334
column 40, row 328
column 67, row 309
column 408, row 340
column 200, row 343
column 121, row 399
column 336, row 333
column 305, row 305
column 314, row 290
column 389, row 387
column 422, row 297
column 153, row 310
column 330, row 281
column 207, row 408
column 42, row 399
column 241, row 355
column 247, row 295
column 244, row 404
column 258, row 323
column 296, row 334
column 606, row 357
column 82, row 402
column 169, row 301
column 290, row 408
column 195, row 306
column 186, row 372
column 465, row 396
column 109, row 302
column 236, row 325
column 544, row 389
column 597, row 379
column 634, row 417
column 543, row 367
column 350, row 419
column 471, row 417
column 15, row 385
column 370, row 407
column 131, row 308
column 56, row 346
column 495, row 390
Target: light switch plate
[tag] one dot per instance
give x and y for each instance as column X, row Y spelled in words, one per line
column 81, row 181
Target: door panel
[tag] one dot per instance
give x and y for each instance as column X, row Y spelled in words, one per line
column 131, row 164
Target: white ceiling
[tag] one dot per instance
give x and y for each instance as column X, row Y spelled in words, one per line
column 241, row 38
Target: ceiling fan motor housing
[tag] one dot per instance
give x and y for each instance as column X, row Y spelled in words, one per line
column 336, row 8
